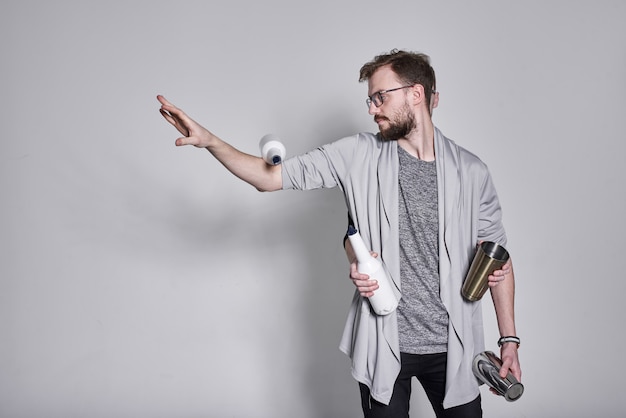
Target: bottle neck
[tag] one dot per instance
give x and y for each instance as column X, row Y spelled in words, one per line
column 358, row 246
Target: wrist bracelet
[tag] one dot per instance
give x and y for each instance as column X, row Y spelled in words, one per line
column 509, row 339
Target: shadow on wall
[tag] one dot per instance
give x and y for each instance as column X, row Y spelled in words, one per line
column 312, row 225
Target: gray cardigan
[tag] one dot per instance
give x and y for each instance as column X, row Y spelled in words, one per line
column 365, row 168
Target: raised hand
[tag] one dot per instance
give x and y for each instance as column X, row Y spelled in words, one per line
column 193, row 133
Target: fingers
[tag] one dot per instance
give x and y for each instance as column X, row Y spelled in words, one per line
column 366, row 288
column 162, row 100
column 173, row 114
column 504, row 370
column 499, row 275
column 168, row 110
column 510, row 362
column 496, row 277
column 167, row 117
column 183, row 141
column 178, row 119
column 508, row 366
column 364, row 285
column 506, row 268
column 495, row 280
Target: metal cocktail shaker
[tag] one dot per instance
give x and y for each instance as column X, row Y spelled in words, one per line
column 489, row 258
column 486, row 368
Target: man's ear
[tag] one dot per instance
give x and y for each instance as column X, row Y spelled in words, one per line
column 434, row 100
column 418, row 93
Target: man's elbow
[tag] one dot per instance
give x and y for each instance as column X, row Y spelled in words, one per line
column 271, row 182
column 265, row 189
column 270, row 187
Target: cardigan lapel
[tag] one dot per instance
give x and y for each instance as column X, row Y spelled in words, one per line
column 449, row 189
column 388, row 189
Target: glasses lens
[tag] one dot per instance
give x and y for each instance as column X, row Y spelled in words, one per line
column 377, row 98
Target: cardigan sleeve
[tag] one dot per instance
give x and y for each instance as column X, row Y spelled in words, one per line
column 490, row 226
column 323, row 167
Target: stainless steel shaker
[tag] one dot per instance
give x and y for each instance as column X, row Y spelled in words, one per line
column 486, row 368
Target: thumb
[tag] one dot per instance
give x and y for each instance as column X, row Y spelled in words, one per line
column 506, row 365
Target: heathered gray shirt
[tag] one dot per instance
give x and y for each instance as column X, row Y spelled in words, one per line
column 422, row 318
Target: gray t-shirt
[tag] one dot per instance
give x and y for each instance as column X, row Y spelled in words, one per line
column 422, row 317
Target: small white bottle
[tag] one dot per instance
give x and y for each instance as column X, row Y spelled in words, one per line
column 383, row 300
column 272, row 150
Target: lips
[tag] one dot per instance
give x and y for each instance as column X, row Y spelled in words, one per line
column 379, row 119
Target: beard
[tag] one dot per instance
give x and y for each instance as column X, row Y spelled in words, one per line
column 399, row 125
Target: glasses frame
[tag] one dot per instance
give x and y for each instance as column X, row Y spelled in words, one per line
column 378, row 99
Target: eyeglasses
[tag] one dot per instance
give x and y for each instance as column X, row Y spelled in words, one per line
column 378, row 99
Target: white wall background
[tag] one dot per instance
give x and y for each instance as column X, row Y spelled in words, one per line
column 142, row 280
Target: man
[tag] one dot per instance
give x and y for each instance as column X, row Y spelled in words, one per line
column 420, row 202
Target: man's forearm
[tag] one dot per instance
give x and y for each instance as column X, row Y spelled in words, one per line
column 251, row 169
column 503, row 296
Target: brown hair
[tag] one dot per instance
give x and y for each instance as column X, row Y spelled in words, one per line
column 410, row 67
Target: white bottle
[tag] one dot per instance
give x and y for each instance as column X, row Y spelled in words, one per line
column 383, row 300
column 272, row 150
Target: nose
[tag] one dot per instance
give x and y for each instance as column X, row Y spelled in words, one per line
column 372, row 109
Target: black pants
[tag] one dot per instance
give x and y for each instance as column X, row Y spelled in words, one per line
column 430, row 370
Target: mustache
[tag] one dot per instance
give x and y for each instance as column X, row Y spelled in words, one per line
column 380, row 118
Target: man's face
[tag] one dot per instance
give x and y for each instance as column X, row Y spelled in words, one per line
column 394, row 116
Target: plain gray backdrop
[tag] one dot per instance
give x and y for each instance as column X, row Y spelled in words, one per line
column 138, row 279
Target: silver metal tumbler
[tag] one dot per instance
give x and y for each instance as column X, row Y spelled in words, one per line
column 486, row 368
column 489, row 258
